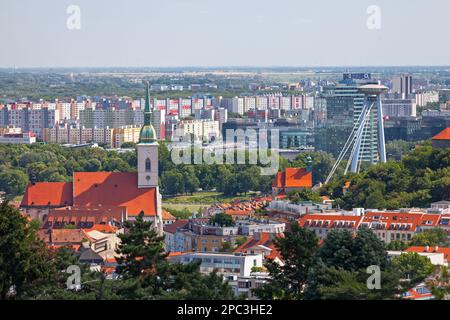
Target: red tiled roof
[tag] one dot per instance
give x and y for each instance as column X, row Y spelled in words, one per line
column 431, row 249
column 113, row 189
column 402, row 220
column 430, row 220
column 174, row 254
column 329, row 220
column 105, row 228
column 443, row 135
column 67, row 236
column 265, row 239
column 75, row 247
column 108, row 270
column 44, row 194
column 238, row 212
column 172, row 228
column 166, row 215
column 293, row 178
column 111, row 260
column 97, row 215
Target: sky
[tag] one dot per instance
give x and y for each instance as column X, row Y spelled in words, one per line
column 171, row 33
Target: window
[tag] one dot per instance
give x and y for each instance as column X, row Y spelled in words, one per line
column 148, row 165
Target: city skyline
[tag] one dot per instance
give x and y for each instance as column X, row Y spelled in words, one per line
column 201, row 33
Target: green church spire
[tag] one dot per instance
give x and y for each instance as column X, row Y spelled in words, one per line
column 147, row 102
column 147, row 134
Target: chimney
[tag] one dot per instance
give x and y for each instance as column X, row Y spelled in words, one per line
column 427, row 248
column 436, row 249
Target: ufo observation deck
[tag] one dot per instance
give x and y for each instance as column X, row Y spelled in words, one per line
column 372, row 89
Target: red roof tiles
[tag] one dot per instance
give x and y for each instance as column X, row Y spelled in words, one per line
column 113, row 189
column 105, row 228
column 166, row 215
column 48, row 194
column 402, row 220
column 96, row 215
column 67, row 236
column 94, row 189
column 431, row 249
column 443, row 135
column 172, row 228
column 293, row 178
column 263, row 239
column 329, row 221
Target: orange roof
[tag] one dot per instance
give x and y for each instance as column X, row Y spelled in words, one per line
column 108, row 270
column 74, row 247
column 44, row 194
column 238, row 212
column 113, row 189
column 174, row 254
column 265, row 239
column 105, row 228
column 329, row 221
column 166, row 215
column 401, row 220
column 443, row 135
column 111, row 260
column 431, row 249
column 67, row 235
column 293, row 178
column 97, row 215
column 172, row 228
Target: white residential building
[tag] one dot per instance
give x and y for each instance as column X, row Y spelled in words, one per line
column 226, row 264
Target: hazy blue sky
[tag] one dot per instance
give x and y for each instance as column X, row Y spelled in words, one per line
column 33, row 33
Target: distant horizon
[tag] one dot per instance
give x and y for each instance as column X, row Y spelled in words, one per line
column 227, row 67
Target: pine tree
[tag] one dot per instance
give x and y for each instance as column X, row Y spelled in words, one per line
column 141, row 249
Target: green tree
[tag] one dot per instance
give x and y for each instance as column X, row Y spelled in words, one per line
column 296, row 196
column 222, row 219
column 322, row 162
column 397, row 245
column 298, row 249
column 430, row 237
column 128, row 145
column 24, row 260
column 13, row 181
column 339, row 272
column 185, row 282
column 172, row 182
column 140, row 250
column 191, row 182
column 413, row 266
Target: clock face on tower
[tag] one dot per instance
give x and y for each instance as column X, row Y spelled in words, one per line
column 147, row 178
